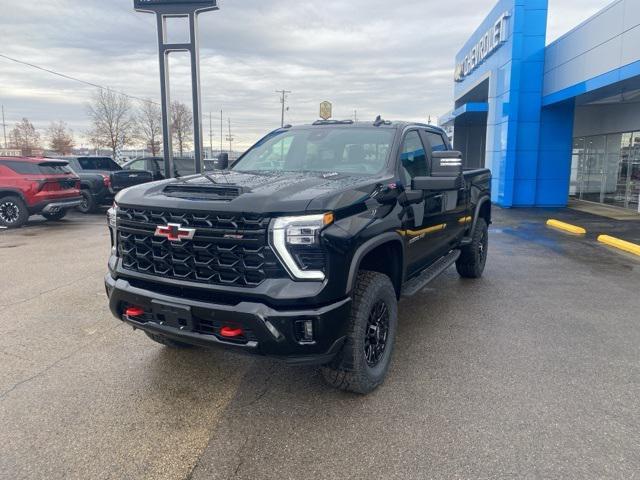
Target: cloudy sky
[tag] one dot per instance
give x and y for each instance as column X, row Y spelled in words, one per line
column 376, row 56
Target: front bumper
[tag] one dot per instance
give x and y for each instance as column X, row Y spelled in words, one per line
column 267, row 331
column 56, row 206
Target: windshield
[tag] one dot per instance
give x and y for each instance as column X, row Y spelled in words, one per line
column 340, row 150
column 99, row 163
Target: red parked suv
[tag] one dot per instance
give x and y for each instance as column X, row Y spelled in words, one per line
column 29, row 186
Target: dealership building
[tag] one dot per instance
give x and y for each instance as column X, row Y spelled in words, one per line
column 553, row 122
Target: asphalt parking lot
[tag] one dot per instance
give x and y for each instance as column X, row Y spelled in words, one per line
column 531, row 372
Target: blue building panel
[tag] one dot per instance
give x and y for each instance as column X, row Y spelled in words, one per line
column 514, row 72
column 529, row 91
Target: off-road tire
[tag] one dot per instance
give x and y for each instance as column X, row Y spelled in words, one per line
column 15, row 210
column 55, row 216
column 350, row 370
column 88, row 203
column 474, row 256
column 167, row 342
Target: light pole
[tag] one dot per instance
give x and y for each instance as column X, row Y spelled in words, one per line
column 4, row 128
column 283, row 100
column 230, row 138
column 210, row 134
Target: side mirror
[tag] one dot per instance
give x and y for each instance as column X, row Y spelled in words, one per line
column 446, row 164
column 222, row 163
column 437, row 184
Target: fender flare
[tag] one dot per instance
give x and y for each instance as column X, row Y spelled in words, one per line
column 476, row 214
column 4, row 191
column 87, row 184
column 367, row 247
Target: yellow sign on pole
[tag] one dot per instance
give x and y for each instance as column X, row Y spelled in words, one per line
column 326, row 110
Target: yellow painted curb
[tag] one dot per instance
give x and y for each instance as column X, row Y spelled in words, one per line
column 566, row 226
column 620, row 244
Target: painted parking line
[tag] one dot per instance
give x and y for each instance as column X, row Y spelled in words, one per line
column 620, row 244
column 567, row 227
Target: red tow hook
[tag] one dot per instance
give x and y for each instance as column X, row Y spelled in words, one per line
column 229, row 332
column 134, row 312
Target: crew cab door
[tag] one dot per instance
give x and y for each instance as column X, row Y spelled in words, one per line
column 135, row 173
column 423, row 221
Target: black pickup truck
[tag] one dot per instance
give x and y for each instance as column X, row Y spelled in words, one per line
column 95, row 180
column 303, row 248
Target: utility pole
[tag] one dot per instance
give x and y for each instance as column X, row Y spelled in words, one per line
column 4, row 128
column 221, row 137
column 230, row 138
column 283, row 100
column 210, row 135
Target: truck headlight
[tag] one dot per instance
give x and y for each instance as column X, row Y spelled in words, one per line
column 112, row 219
column 290, row 233
column 112, row 215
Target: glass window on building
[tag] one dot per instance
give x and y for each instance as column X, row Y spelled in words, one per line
column 606, row 169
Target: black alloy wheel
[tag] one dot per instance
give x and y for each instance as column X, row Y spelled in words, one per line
column 377, row 332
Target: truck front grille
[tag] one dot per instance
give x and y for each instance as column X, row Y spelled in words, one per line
column 227, row 249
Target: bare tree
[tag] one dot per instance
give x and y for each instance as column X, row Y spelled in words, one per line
column 25, row 137
column 60, row 138
column 181, row 125
column 111, row 116
column 149, row 126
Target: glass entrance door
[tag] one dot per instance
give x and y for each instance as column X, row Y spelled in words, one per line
column 606, row 169
column 593, row 169
column 615, row 169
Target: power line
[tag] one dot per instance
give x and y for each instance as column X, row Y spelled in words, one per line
column 75, row 79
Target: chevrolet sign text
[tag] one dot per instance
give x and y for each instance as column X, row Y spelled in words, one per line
column 488, row 44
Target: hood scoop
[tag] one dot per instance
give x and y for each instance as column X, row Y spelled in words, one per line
column 221, row 193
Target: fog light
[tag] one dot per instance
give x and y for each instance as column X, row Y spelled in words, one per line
column 308, row 331
column 303, row 331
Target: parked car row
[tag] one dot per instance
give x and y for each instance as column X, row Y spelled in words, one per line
column 52, row 186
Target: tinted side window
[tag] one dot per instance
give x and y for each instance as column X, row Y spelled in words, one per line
column 138, row 165
column 98, row 163
column 437, row 142
column 413, row 157
column 44, row 168
column 23, row 168
column 184, row 166
column 156, row 166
